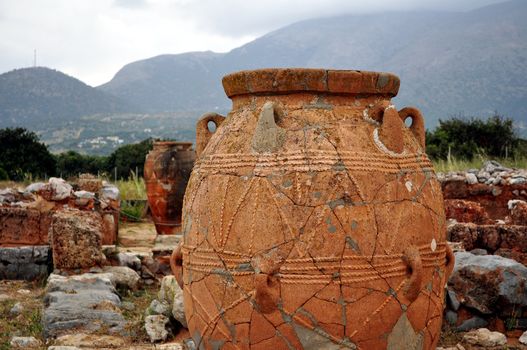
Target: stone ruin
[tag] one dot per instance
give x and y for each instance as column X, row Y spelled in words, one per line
column 73, row 220
column 487, row 213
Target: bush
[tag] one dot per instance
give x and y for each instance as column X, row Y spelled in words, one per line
column 465, row 138
column 3, row 175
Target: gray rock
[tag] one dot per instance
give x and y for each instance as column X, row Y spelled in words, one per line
column 123, row 276
column 109, row 192
column 155, row 326
column 451, row 317
column 452, row 300
column 523, row 338
column 16, row 309
column 492, row 166
column 60, row 188
column 490, row 284
column 472, row 323
column 158, row 308
column 172, row 294
column 86, row 302
column 35, row 187
column 479, row 251
column 24, row 343
column 520, row 180
column 471, row 179
column 484, row 337
column 130, row 260
column 61, row 347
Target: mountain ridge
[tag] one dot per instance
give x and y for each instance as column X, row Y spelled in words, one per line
column 449, row 63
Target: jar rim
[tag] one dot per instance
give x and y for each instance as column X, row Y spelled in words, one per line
column 294, row 80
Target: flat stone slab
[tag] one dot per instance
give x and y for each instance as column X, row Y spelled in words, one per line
column 25, row 263
column 85, row 303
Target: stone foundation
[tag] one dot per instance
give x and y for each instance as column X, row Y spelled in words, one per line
column 25, row 263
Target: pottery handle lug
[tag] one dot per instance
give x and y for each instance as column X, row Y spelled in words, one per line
column 418, row 124
column 203, row 134
column 391, row 128
column 176, row 264
column 450, row 261
column 267, row 292
column 412, row 259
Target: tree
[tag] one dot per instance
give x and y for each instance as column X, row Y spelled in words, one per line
column 129, row 158
column 22, row 154
column 465, row 138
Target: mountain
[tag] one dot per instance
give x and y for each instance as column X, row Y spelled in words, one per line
column 36, row 97
column 450, row 63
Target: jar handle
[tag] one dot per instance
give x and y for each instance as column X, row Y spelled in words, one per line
column 418, row 124
column 203, row 134
column 176, row 264
column 450, row 261
column 391, row 128
column 412, row 259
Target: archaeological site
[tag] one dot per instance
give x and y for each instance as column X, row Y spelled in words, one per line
column 307, row 217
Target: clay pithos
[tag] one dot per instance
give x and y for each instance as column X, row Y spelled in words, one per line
column 166, row 173
column 313, row 218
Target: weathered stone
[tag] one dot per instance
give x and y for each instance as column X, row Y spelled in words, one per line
column 123, row 277
column 87, row 302
column 158, row 308
column 25, row 263
column 60, row 189
column 472, row 323
column 451, row 317
column 518, row 212
column 16, row 309
column 465, row 211
column 97, row 341
column 76, row 239
column 484, row 337
column 471, row 178
column 155, row 326
column 479, row 251
column 23, row 226
column 490, row 284
column 172, row 294
column 61, row 347
column 129, row 259
column 489, row 237
column 523, row 338
column 25, row 343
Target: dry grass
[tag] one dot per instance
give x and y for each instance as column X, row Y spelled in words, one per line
column 136, row 317
column 28, row 322
column 453, row 164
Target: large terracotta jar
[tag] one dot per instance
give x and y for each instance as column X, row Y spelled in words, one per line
column 313, row 218
column 166, row 173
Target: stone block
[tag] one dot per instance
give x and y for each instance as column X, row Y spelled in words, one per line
column 76, row 239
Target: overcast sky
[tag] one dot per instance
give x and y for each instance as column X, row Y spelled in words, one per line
column 92, row 39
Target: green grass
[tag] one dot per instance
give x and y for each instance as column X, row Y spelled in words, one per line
column 133, row 188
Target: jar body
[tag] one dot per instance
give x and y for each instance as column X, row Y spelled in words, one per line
column 304, row 229
column 166, row 173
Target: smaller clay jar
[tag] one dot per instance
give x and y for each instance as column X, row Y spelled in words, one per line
column 166, row 173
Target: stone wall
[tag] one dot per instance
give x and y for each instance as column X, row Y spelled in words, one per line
column 25, row 263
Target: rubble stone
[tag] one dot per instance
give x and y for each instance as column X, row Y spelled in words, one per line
column 484, row 337
column 155, row 326
column 25, row 343
column 490, row 284
column 123, row 276
column 25, row 263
